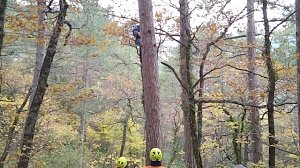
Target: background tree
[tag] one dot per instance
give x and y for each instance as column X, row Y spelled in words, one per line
column 297, row 8
column 113, row 77
column 40, row 44
column 271, row 86
column 191, row 145
column 31, row 120
column 2, row 17
column 256, row 144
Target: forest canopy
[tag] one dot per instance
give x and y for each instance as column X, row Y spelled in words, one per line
column 212, row 83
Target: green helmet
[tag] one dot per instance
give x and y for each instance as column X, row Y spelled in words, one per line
column 155, row 154
column 122, row 162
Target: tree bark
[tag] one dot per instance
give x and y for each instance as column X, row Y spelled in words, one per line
column 191, row 141
column 150, row 78
column 32, row 117
column 256, row 143
column 271, row 87
column 185, row 94
column 2, row 21
column 297, row 8
column 40, row 45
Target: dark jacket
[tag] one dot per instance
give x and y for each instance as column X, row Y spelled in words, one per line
column 135, row 31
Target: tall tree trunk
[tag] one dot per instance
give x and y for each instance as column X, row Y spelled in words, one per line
column 125, row 127
column 32, row 117
column 297, row 8
column 2, row 21
column 191, row 141
column 189, row 156
column 40, row 46
column 150, row 78
column 271, row 86
column 256, row 143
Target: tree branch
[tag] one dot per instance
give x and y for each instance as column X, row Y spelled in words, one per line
column 284, row 20
column 217, row 68
column 175, row 73
column 239, row 36
column 169, row 35
column 283, row 150
column 246, row 71
column 229, row 102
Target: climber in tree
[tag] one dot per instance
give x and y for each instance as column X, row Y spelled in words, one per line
column 137, row 35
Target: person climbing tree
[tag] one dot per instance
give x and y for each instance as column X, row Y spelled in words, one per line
column 136, row 34
column 155, row 156
column 122, row 162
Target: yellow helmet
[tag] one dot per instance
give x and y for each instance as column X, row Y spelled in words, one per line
column 155, row 154
column 122, row 162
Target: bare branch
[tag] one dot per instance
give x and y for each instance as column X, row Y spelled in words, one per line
column 122, row 17
column 239, row 36
column 216, row 68
column 286, row 103
column 230, row 102
column 280, row 5
column 227, row 65
column 175, row 73
column 284, row 20
column 245, row 70
column 277, row 20
column 283, row 150
column 169, row 35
